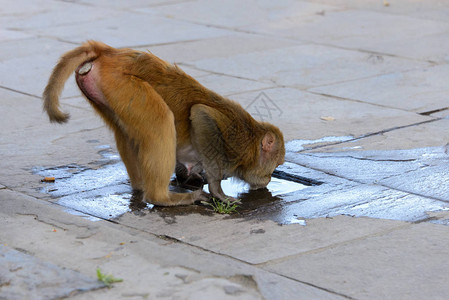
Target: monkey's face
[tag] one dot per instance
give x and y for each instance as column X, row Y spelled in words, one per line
column 269, row 159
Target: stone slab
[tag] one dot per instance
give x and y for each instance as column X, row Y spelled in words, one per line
column 430, row 181
column 431, row 134
column 23, row 276
column 419, row 90
column 116, row 29
column 234, row 14
column 418, row 171
column 131, row 4
column 432, row 9
column 46, row 144
column 12, row 35
column 32, row 46
column 432, row 48
column 53, row 15
column 395, row 265
column 255, row 241
column 380, row 163
column 300, row 114
column 214, row 47
column 373, row 201
column 306, row 65
column 355, row 29
column 228, row 85
column 39, row 67
column 150, row 266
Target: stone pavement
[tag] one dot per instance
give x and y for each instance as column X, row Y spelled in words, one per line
column 359, row 90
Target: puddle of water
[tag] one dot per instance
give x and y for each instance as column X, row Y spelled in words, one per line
column 105, row 192
column 75, row 179
column 277, row 186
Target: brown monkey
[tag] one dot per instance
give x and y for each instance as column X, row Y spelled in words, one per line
column 159, row 114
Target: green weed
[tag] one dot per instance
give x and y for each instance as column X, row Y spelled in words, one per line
column 223, row 207
column 107, row 279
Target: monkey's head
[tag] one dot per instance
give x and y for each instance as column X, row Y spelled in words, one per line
column 271, row 154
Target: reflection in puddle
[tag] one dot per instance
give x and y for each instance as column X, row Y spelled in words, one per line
column 277, row 186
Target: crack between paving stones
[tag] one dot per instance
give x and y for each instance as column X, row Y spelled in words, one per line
column 221, row 74
column 359, row 158
column 36, row 217
column 48, row 202
column 351, row 99
column 20, row 92
column 368, row 135
column 430, row 112
column 176, row 240
column 76, row 132
column 160, row 44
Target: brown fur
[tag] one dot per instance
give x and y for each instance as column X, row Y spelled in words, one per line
column 159, row 114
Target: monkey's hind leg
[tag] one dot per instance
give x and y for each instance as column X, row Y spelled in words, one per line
column 128, row 153
column 149, row 123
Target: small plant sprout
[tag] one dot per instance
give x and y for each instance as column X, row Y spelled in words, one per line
column 107, row 279
column 223, row 207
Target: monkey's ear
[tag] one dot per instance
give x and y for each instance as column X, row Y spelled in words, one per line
column 268, row 142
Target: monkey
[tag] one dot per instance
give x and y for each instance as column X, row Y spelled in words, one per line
column 160, row 115
column 189, row 176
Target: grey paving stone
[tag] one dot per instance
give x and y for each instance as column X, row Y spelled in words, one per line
column 419, row 90
column 256, row 241
column 356, row 29
column 222, row 46
column 127, row 29
column 59, row 13
column 228, row 85
column 429, row 181
column 27, row 8
column 24, row 48
column 371, row 201
column 302, row 115
column 150, row 266
column 24, row 277
column 118, row 4
column 370, row 166
column 307, row 66
column 432, row 134
column 432, row 9
column 11, row 35
column 390, row 266
column 418, row 171
column 431, row 48
column 38, row 68
column 235, row 13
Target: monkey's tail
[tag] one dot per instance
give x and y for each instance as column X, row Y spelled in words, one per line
column 67, row 64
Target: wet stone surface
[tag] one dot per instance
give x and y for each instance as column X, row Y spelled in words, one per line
column 346, row 188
